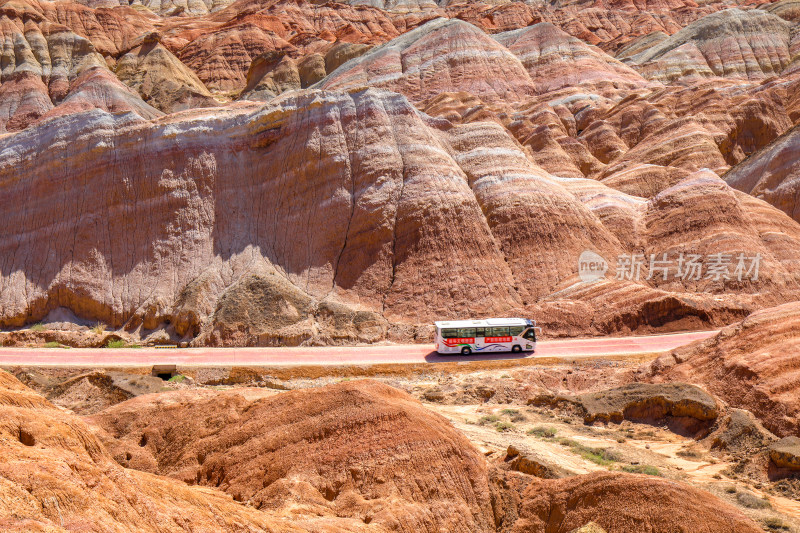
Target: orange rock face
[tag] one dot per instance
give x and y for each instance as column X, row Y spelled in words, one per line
column 751, row 365
column 359, row 450
column 356, row 456
column 620, row 502
column 56, row 476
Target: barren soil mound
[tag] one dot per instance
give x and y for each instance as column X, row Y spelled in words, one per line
column 625, row 502
column 358, row 449
column 55, row 475
column 752, row 365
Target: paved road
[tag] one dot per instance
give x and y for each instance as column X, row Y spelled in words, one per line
column 411, row 353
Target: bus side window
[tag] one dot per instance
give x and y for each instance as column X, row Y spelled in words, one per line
column 530, row 335
column 449, row 333
column 515, row 331
column 466, row 332
column 498, row 332
column 480, row 332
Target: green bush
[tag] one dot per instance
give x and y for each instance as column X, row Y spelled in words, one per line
column 642, row 469
column 600, row 456
column 543, row 432
column 177, row 378
column 52, row 344
column 38, row 327
column 514, row 415
column 115, row 343
column 776, row 524
column 503, row 426
column 488, row 419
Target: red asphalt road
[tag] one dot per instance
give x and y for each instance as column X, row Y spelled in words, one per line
column 338, row 355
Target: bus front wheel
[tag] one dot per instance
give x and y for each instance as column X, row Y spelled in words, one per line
column 466, row 350
column 516, row 348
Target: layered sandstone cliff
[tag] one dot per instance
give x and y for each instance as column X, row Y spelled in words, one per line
column 355, row 200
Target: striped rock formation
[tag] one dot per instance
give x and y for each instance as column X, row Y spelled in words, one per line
column 358, row 452
column 440, row 56
column 556, row 60
column 219, row 48
column 732, row 43
column 223, row 214
column 110, row 31
column 751, row 365
column 51, row 71
column 773, row 174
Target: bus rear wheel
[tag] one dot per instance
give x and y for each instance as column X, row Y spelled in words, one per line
column 466, row 350
column 516, row 348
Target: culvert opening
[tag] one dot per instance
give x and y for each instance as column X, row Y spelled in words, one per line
column 164, row 372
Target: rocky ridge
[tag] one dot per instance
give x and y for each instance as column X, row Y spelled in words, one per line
column 772, row 174
column 750, row 365
column 433, row 187
column 525, row 113
column 56, row 476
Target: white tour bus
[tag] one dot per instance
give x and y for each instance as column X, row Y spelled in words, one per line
column 490, row 335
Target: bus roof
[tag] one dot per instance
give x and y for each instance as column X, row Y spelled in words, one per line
column 489, row 322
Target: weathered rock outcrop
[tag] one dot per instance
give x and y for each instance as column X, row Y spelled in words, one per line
column 751, row 365
column 740, row 431
column 556, row 60
column 786, row 453
column 625, row 502
column 55, row 475
column 359, row 450
column 773, row 174
column 686, row 409
column 271, row 74
column 440, row 56
column 161, row 79
column 732, row 43
column 644, row 401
